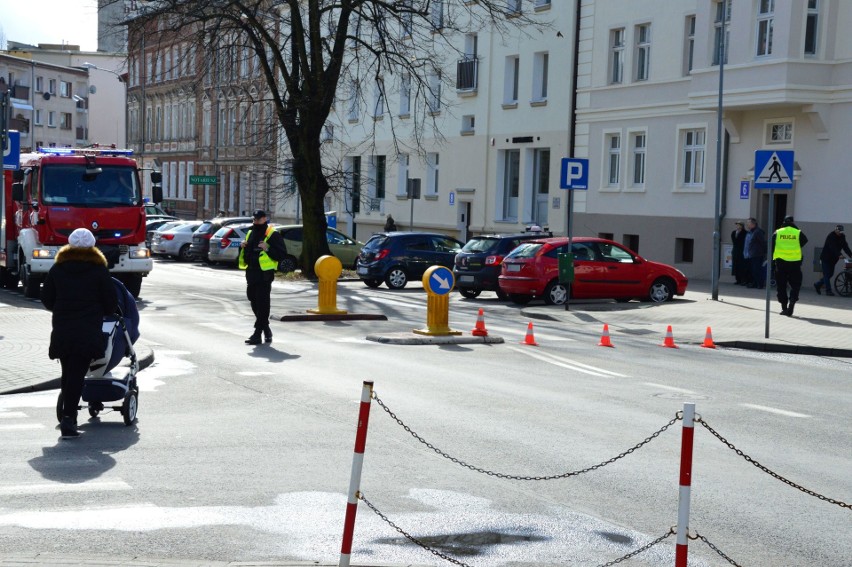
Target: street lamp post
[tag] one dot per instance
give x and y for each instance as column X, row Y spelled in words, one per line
column 121, row 79
column 717, row 216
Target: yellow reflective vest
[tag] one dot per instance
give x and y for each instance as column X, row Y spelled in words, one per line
column 787, row 245
column 266, row 263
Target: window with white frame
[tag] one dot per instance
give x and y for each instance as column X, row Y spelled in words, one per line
column 354, row 103
column 379, row 176
column 638, row 141
column 613, row 159
column 693, row 144
column 64, row 89
column 355, row 183
column 468, row 124
column 510, row 85
column 434, row 94
column 207, row 125
column 513, row 7
column 51, row 86
column 64, row 120
column 765, row 24
column 616, row 56
column 378, row 99
column 51, row 119
column 541, row 184
column 643, row 52
column 689, row 45
column 721, row 31
column 406, row 19
column 432, row 173
column 779, row 132
column 402, row 174
column 511, row 185
column 541, row 62
column 542, row 3
column 405, row 95
column 812, row 27
column 37, row 117
column 39, row 84
column 437, row 15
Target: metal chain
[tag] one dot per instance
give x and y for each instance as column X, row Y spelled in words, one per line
column 408, row 536
column 769, row 472
column 716, row 549
column 514, row 477
column 641, row 549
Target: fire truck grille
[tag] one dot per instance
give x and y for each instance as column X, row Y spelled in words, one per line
column 103, row 234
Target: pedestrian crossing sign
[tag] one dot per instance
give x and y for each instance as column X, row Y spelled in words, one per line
column 773, row 169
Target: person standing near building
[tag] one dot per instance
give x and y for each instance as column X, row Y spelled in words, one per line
column 390, row 225
column 754, row 251
column 260, row 253
column 739, row 268
column 79, row 292
column 788, row 242
column 833, row 249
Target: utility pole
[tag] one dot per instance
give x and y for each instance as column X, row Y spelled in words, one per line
column 717, row 216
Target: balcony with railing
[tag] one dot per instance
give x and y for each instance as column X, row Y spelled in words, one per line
column 20, row 92
column 82, row 103
column 467, row 74
column 82, row 134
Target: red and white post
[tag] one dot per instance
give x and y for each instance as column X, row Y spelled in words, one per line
column 355, row 477
column 682, row 546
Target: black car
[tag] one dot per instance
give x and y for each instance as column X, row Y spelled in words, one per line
column 478, row 265
column 398, row 257
column 201, row 238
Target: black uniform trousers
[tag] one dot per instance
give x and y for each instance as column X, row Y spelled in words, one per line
column 258, row 291
column 788, row 273
column 74, row 370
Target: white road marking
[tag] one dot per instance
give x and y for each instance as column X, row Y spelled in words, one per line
column 21, row 426
column 254, row 373
column 775, row 410
column 58, row 487
column 547, row 337
column 568, row 363
column 224, row 329
column 12, row 414
column 228, row 306
column 672, row 388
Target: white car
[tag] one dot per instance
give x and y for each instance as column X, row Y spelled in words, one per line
column 174, row 241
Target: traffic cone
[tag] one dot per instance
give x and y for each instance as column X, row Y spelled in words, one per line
column 605, row 338
column 480, row 330
column 530, row 338
column 668, row 342
column 708, row 339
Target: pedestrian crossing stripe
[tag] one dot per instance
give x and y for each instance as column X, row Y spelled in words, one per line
column 772, row 169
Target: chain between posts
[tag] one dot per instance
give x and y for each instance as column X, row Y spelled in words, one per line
column 636, row 552
column 716, row 549
column 769, row 472
column 678, row 415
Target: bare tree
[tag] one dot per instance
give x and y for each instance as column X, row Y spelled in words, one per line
column 312, row 51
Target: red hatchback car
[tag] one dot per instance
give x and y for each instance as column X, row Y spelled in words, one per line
column 603, row 269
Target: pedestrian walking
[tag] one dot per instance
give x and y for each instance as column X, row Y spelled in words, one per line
column 754, row 251
column 833, row 249
column 787, row 245
column 390, row 224
column 260, row 253
column 739, row 267
column 79, row 292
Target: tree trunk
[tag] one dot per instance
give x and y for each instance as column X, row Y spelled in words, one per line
column 313, row 187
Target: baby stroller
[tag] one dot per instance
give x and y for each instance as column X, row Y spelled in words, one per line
column 120, row 332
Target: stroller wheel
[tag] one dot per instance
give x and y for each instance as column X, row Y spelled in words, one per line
column 95, row 408
column 128, row 408
column 59, row 401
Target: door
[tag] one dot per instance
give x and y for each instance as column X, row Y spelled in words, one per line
column 623, row 276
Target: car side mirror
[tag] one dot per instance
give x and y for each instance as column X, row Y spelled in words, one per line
column 17, row 191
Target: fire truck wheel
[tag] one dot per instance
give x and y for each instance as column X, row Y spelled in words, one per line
column 7, row 279
column 32, row 285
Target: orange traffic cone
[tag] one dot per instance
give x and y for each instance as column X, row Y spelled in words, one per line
column 480, row 330
column 605, row 338
column 530, row 338
column 708, row 339
column 668, row 342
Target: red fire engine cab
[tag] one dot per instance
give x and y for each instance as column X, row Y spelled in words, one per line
column 57, row 190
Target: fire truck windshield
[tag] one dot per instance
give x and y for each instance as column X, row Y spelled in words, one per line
column 70, row 184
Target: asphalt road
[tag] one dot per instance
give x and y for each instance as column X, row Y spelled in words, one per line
column 244, row 453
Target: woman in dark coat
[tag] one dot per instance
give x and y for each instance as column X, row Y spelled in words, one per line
column 739, row 267
column 79, row 291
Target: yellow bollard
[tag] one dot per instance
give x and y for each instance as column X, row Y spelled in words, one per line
column 438, row 282
column 327, row 269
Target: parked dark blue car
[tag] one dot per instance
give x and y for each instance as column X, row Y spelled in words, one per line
column 399, row 257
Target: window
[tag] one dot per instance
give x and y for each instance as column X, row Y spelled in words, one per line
column 765, row 23
column 51, row 119
column 540, row 64
column 355, row 184
column 64, row 120
column 811, row 28
column 689, row 47
column 513, row 7
column 438, row 14
column 379, row 99
column 639, row 140
column 37, row 117
column 51, row 86
column 468, row 124
column 541, row 184
column 542, row 3
column 64, row 89
column 779, row 133
column 616, row 58
column 693, row 143
column 432, row 173
column 684, row 250
column 407, row 20
column 405, row 95
column 643, row 51
column 434, row 95
column 510, row 86
column 613, row 160
column 631, row 241
column 39, row 84
column 380, row 176
column 354, row 95
column 721, row 38
column 511, row 183
column 402, row 174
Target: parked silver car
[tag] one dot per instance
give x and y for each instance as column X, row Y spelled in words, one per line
column 175, row 241
column 225, row 243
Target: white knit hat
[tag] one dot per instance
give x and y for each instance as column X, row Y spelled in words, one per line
column 81, row 238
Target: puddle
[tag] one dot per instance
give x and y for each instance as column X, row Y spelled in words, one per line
column 616, row 538
column 466, row 544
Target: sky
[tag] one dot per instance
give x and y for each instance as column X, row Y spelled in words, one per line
column 73, row 22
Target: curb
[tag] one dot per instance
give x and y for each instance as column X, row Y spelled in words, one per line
column 408, row 339
column 788, row 349
column 330, row 317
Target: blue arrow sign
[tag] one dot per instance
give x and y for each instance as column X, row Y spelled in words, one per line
column 773, row 169
column 441, row 281
column 12, row 151
column 574, row 173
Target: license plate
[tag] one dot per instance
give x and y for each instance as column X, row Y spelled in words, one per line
column 362, row 271
column 466, row 279
column 513, row 267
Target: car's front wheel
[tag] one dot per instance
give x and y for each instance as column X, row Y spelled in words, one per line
column 469, row 293
column 396, row 278
column 556, row 293
column 288, row 264
column 661, row 290
column 372, row 283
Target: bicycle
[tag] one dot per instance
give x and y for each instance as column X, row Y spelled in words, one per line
column 843, row 280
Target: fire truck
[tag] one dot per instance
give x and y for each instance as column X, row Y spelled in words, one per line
column 57, row 190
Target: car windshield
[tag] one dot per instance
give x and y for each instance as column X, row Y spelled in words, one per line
column 222, row 232
column 375, row 243
column 204, row 228
column 481, row 245
column 526, row 250
column 69, row 184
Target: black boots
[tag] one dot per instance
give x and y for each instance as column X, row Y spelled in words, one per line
column 254, row 339
column 267, row 335
column 790, row 309
column 68, row 428
column 784, row 308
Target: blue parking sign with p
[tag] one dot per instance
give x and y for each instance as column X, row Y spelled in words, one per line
column 12, row 151
column 574, row 173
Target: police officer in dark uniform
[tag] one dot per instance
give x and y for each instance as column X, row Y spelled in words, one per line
column 787, row 255
column 260, row 253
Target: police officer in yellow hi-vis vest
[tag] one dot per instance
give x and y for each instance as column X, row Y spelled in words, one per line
column 260, row 253
column 787, row 256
